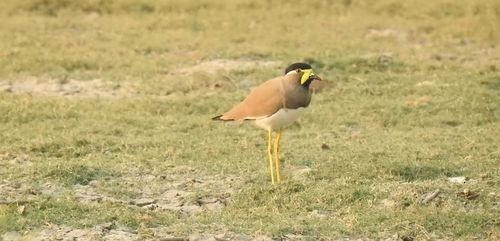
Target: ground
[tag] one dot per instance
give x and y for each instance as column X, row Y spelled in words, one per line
column 106, row 131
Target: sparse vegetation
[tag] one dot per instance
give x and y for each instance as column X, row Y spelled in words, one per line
column 105, row 112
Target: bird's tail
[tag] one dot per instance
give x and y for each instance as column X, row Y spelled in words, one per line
column 218, row 118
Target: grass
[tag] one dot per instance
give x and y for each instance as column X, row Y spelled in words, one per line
column 414, row 100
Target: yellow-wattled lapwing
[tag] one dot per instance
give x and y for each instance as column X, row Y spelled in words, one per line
column 274, row 105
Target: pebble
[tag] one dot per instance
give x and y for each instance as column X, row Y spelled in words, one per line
column 460, row 180
column 143, row 201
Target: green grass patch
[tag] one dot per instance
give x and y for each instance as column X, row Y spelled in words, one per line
column 78, row 174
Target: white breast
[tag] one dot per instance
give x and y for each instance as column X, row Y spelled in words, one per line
column 280, row 119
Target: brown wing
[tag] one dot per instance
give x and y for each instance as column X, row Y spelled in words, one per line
column 265, row 100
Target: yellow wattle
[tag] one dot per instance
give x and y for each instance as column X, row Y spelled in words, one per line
column 306, row 75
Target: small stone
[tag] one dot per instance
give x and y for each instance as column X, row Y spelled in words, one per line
column 221, row 236
column 324, row 146
column 426, row 198
column 152, row 207
column 143, row 201
column 466, row 191
column 169, row 206
column 468, row 194
column 460, row 180
column 386, row 203
column 319, row 214
column 20, row 209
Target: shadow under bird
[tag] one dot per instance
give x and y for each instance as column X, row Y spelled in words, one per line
column 274, row 105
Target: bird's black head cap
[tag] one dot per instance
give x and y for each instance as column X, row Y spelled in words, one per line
column 295, row 66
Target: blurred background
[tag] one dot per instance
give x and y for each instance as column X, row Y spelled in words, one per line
column 148, row 40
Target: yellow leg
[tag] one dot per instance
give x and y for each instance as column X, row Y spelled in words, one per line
column 269, row 153
column 276, row 154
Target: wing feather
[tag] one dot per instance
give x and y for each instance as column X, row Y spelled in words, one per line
column 263, row 101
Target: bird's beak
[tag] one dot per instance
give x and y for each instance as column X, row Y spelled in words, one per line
column 314, row 77
column 308, row 76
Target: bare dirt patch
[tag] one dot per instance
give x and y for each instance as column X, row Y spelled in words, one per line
column 387, row 33
column 216, row 65
column 96, row 88
column 182, row 190
column 111, row 231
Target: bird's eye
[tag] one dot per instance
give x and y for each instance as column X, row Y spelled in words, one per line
column 299, row 70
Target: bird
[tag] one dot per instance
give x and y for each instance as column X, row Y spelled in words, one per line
column 274, row 105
